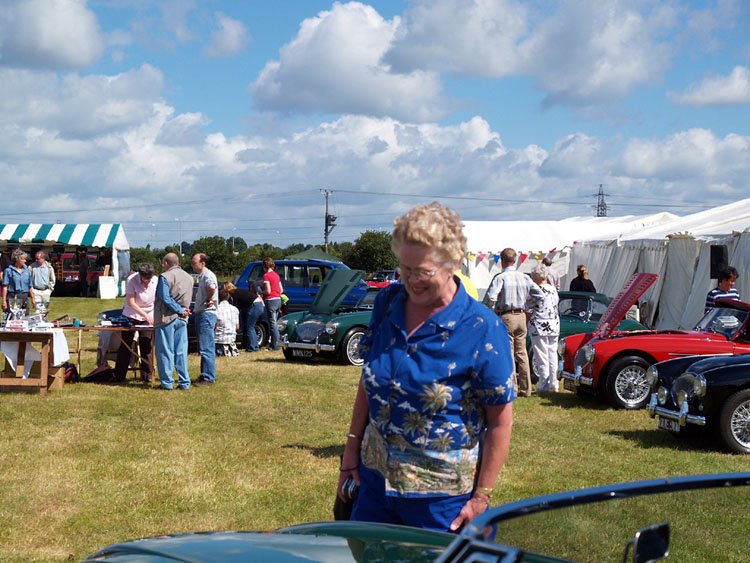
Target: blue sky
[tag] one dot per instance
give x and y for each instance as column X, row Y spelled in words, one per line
column 197, row 117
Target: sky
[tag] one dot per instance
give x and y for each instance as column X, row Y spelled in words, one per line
column 189, row 118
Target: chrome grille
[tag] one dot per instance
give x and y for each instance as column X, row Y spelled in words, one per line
column 309, row 331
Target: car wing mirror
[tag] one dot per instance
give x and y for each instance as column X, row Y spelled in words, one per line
column 649, row 544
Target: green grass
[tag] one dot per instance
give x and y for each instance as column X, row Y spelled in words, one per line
column 92, row 464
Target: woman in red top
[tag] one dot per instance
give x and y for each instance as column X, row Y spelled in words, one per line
column 272, row 289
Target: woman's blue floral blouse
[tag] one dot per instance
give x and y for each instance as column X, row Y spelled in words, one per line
column 426, row 396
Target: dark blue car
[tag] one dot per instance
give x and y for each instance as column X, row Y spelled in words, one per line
column 301, row 280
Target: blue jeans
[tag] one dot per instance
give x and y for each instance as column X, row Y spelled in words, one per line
column 272, row 313
column 171, row 353
column 251, row 317
column 204, row 326
column 373, row 505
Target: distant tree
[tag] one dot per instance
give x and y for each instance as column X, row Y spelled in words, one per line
column 220, row 257
column 140, row 256
column 371, row 252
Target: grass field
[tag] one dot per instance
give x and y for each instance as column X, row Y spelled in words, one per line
column 94, row 464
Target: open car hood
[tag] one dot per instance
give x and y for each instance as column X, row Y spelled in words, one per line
column 628, row 296
column 334, row 288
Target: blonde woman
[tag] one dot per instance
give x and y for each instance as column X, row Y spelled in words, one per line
column 582, row 281
column 437, row 377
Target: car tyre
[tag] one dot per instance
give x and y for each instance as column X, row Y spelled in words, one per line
column 626, row 386
column 734, row 422
column 261, row 334
column 349, row 350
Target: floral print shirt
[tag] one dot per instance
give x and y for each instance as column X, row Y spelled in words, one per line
column 426, row 395
column 542, row 304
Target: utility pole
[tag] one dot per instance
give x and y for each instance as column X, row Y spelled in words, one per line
column 601, row 205
column 330, row 220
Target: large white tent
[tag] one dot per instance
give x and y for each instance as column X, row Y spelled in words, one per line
column 535, row 239
column 676, row 248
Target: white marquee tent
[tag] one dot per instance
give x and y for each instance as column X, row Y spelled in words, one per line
column 676, row 248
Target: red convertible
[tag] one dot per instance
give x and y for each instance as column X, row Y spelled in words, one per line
column 613, row 365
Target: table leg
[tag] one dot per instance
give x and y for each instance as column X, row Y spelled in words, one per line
column 21, row 359
column 80, row 373
column 153, row 358
column 44, row 367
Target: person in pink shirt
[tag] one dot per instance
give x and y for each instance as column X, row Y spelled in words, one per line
column 140, row 293
column 272, row 290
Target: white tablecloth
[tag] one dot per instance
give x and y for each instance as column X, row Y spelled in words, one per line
column 60, row 352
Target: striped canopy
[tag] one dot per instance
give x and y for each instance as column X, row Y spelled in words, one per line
column 104, row 235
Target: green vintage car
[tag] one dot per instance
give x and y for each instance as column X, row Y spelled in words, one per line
column 327, row 330
column 638, row 522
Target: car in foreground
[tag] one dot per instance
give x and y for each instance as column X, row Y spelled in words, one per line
column 712, row 394
column 382, row 278
column 329, row 330
column 639, row 522
column 301, row 280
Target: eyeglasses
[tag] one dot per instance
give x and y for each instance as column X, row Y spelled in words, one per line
column 420, row 275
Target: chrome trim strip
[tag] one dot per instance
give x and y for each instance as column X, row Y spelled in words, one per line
column 317, row 346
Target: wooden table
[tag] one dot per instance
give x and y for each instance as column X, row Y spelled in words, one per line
column 44, row 381
column 118, row 330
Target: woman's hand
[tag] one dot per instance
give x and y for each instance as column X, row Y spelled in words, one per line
column 477, row 504
column 349, row 467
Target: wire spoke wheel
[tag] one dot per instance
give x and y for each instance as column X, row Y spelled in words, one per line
column 739, row 424
column 627, row 387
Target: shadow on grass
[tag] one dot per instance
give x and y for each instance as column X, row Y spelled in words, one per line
column 323, row 452
column 694, row 439
column 573, row 401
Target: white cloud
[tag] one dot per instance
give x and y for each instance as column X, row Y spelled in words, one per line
column 230, row 37
column 49, row 34
column 333, row 66
column 574, row 156
column 478, row 38
column 596, row 53
column 697, row 158
column 78, row 106
column 729, row 90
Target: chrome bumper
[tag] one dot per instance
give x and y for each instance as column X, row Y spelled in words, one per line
column 316, row 346
column 577, row 378
column 682, row 416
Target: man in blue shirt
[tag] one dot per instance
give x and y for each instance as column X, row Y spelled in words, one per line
column 174, row 291
column 17, row 282
column 725, row 290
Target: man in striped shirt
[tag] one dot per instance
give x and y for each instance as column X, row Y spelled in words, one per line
column 725, row 289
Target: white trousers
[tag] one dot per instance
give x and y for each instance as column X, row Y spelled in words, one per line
column 42, row 296
column 545, row 361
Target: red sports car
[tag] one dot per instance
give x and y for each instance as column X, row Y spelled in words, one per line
column 382, row 278
column 613, row 365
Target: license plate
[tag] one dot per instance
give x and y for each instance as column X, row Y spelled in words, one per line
column 568, row 385
column 302, row 353
column 669, row 424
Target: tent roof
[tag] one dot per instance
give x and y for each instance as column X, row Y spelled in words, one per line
column 722, row 220
column 545, row 236
column 104, row 235
column 313, row 253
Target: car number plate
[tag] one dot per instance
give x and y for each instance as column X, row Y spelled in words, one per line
column 302, row 353
column 568, row 385
column 669, row 424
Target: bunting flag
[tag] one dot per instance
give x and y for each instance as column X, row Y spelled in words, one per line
column 524, row 257
column 481, row 257
column 496, row 257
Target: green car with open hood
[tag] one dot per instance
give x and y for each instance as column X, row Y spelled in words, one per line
column 327, row 330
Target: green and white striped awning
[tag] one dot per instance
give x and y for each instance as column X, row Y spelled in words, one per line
column 104, row 235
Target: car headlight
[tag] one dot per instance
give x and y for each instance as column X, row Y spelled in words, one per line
column 652, row 376
column 561, row 348
column 331, row 327
column 281, row 324
column 661, row 395
column 699, row 385
column 589, row 352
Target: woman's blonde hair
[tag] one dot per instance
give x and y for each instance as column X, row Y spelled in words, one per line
column 583, row 271
column 433, row 226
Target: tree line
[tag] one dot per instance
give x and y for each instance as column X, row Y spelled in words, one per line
column 228, row 257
